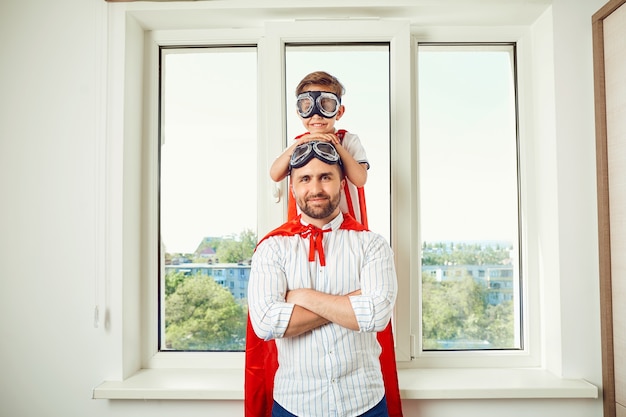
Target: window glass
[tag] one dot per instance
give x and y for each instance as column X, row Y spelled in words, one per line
column 468, row 188
column 469, row 217
column 207, row 198
column 363, row 69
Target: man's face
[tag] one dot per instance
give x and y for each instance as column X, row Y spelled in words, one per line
column 317, row 190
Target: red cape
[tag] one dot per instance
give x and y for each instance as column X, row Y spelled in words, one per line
column 262, row 358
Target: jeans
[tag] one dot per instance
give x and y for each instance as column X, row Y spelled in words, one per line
column 379, row 410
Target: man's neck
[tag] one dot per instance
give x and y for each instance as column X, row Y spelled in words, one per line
column 320, row 223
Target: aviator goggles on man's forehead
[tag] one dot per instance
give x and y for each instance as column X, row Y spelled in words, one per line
column 324, row 151
column 321, row 103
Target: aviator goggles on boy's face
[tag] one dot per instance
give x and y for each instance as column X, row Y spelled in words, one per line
column 322, row 103
column 324, row 151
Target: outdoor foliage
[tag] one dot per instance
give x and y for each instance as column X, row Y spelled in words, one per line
column 455, row 312
column 456, row 315
column 236, row 250
column 200, row 314
column 455, row 253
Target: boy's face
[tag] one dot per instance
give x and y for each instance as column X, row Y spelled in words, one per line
column 317, row 123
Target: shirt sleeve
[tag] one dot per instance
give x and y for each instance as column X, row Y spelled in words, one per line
column 267, row 287
column 379, row 287
column 353, row 144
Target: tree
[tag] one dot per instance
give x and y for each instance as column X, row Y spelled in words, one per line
column 499, row 328
column 456, row 312
column 458, row 253
column 238, row 249
column 202, row 315
column 451, row 310
column 172, row 281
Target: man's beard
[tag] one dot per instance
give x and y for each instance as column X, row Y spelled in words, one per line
column 323, row 211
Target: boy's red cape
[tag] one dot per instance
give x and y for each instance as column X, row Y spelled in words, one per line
column 262, row 357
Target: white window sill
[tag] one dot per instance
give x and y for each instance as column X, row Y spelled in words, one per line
column 227, row 384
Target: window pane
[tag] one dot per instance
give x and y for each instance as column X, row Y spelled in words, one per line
column 207, row 201
column 469, row 221
column 367, row 109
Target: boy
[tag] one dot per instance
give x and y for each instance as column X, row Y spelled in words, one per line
column 319, row 107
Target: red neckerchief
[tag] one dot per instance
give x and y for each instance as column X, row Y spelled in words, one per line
column 313, row 233
column 262, row 357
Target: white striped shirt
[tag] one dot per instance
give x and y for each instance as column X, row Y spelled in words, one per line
column 330, row 371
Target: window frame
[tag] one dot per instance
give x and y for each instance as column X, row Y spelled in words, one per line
column 270, row 51
column 133, row 206
column 530, row 353
column 151, row 356
column 403, row 61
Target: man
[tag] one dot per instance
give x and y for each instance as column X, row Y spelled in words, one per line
column 322, row 286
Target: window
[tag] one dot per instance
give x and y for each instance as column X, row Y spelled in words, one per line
column 424, row 145
column 469, row 204
column 207, row 201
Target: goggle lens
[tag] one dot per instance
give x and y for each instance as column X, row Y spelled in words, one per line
column 305, row 105
column 328, row 104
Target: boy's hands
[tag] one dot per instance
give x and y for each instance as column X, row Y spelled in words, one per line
column 326, row 137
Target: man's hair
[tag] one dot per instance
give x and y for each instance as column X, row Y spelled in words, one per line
column 321, row 78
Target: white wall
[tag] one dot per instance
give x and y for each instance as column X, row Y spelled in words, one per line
column 51, row 126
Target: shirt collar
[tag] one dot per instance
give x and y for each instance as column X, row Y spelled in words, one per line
column 334, row 224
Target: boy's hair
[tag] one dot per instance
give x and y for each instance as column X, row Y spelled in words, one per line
column 321, row 78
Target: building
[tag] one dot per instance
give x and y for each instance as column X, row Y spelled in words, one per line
column 233, row 277
column 499, row 280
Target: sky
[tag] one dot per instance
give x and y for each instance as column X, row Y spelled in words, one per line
column 209, row 151
column 466, row 136
column 467, row 146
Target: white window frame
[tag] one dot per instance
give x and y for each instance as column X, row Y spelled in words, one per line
column 135, row 30
column 151, row 357
column 530, row 354
column 271, row 46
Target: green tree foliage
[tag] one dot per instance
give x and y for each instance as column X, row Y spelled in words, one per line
column 456, row 312
column 200, row 314
column 172, row 281
column 500, row 326
column 237, row 250
column 455, row 253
